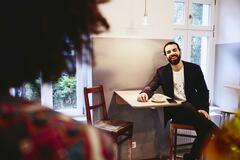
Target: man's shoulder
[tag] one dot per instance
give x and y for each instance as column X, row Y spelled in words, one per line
column 190, row 65
column 162, row 68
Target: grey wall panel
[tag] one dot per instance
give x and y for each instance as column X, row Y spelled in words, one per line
column 227, row 71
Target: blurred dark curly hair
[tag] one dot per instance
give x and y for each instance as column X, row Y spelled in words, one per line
column 32, row 36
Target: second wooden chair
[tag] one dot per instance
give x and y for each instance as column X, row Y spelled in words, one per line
column 174, row 134
column 119, row 130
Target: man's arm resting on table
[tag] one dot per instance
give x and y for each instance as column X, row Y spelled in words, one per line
column 150, row 88
column 142, row 97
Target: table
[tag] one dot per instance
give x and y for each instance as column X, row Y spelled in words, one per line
column 130, row 97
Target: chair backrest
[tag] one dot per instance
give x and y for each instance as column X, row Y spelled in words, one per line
column 96, row 91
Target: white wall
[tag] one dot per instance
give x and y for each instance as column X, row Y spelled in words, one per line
column 227, row 73
column 126, row 16
column 227, row 61
column 228, row 22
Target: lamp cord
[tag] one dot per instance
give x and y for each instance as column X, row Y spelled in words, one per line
column 145, row 8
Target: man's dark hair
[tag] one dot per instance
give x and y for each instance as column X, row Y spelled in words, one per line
column 170, row 43
column 33, row 36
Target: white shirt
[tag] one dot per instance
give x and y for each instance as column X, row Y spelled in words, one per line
column 178, row 85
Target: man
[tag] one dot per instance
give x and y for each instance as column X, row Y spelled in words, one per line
column 183, row 81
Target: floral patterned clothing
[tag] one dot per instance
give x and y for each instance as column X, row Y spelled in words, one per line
column 30, row 131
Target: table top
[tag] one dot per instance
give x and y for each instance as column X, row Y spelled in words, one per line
column 130, row 96
column 233, row 86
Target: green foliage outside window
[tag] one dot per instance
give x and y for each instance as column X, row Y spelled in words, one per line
column 179, row 40
column 196, row 50
column 31, row 91
column 64, row 92
column 178, row 17
column 197, row 14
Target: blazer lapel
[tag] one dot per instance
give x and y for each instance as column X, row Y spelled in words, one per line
column 187, row 81
column 169, row 81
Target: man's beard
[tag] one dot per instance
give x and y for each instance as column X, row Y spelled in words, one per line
column 175, row 61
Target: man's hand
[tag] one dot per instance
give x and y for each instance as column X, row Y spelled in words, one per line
column 204, row 113
column 143, row 97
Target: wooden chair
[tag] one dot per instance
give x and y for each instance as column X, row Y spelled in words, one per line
column 174, row 134
column 119, row 130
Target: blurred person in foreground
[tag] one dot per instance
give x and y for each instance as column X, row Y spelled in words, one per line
column 33, row 37
column 226, row 143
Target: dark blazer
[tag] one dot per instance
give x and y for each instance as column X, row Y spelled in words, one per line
column 195, row 86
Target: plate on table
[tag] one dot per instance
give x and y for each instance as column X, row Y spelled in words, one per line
column 158, row 98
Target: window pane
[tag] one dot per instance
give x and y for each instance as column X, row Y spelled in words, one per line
column 64, row 92
column 199, row 46
column 32, row 91
column 200, row 14
column 178, row 13
column 29, row 91
column 179, row 39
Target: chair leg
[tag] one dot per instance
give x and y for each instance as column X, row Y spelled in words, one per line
column 220, row 120
column 171, row 143
column 175, row 144
column 202, row 156
column 115, row 148
column 130, row 149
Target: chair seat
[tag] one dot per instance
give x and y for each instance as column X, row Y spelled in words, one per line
column 181, row 126
column 119, row 130
column 116, row 127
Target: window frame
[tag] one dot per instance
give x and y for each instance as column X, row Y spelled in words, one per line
column 83, row 77
column 187, row 21
column 187, row 30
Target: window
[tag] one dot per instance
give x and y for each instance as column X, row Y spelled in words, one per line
column 196, row 47
column 194, row 14
column 200, row 14
column 64, row 90
column 65, row 95
column 179, row 13
column 194, row 31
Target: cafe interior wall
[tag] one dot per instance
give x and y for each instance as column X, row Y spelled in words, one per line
column 126, row 18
